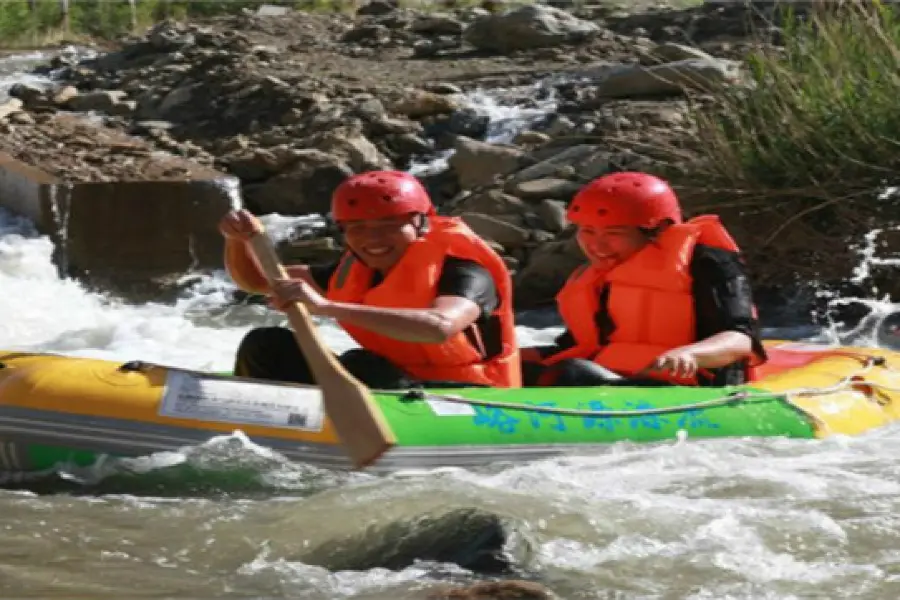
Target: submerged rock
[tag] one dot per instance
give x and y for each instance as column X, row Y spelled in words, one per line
column 474, row 539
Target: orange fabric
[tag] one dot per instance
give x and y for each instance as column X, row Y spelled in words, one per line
column 650, row 302
column 412, row 283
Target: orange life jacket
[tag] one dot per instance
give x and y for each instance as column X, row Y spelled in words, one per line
column 650, row 302
column 412, row 283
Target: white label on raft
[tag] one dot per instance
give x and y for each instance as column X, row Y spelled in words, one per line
column 443, row 408
column 188, row 396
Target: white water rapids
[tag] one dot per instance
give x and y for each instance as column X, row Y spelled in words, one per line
column 721, row 519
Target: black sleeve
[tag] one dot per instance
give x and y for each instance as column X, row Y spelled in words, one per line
column 724, row 298
column 321, row 274
column 470, row 280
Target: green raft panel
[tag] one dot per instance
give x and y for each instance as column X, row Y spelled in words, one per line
column 520, row 424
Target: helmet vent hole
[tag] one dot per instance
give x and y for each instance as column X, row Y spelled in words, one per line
column 387, row 198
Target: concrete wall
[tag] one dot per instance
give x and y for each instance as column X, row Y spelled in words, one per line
column 122, row 234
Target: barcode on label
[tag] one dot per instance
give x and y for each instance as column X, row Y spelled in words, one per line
column 297, row 419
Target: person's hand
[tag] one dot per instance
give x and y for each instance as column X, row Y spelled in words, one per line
column 240, row 225
column 286, row 292
column 677, row 361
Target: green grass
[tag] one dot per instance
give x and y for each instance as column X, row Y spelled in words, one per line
column 796, row 158
column 21, row 25
column 821, row 109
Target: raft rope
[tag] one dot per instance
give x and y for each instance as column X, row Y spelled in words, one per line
column 851, row 381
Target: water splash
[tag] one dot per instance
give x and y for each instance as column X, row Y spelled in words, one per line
column 506, row 118
column 875, row 327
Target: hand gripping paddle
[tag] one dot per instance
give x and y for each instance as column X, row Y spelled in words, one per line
column 348, row 403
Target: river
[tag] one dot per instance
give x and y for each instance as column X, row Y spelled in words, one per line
column 717, row 519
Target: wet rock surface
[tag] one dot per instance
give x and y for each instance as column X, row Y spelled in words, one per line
column 474, row 539
column 291, row 104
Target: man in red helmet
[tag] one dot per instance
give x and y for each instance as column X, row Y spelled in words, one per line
column 660, row 301
column 425, row 298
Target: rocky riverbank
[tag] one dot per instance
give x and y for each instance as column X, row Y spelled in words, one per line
column 292, row 104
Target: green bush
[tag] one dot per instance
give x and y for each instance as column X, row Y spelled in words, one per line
column 796, row 159
column 822, row 108
column 20, row 25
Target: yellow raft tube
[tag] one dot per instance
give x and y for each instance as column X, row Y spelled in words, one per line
column 58, row 410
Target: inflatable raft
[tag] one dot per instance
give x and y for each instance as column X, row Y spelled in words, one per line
column 58, row 410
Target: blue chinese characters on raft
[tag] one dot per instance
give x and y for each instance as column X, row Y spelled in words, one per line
column 510, row 421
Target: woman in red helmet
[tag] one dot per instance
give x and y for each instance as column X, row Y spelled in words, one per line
column 425, row 298
column 660, row 301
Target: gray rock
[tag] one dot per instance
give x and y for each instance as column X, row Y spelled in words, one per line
column 553, row 215
column 635, row 81
column 492, row 202
column 11, row 106
column 492, row 228
column 437, row 24
column 527, row 27
column 548, row 187
column 593, row 159
column 480, row 163
column 549, row 265
column 306, row 188
column 469, row 537
column 419, row 103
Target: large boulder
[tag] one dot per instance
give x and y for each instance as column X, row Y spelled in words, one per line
column 469, row 537
column 527, row 27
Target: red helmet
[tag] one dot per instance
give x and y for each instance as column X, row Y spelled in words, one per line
column 625, row 199
column 379, row 194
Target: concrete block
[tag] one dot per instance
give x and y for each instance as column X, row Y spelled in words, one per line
column 124, row 234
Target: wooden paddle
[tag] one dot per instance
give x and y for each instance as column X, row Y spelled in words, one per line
column 347, row 402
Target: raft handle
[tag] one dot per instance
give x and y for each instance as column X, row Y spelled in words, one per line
column 133, row 366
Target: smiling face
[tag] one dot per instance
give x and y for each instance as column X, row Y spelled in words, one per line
column 381, row 243
column 608, row 247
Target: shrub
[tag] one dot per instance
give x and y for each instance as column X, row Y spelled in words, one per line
column 797, row 160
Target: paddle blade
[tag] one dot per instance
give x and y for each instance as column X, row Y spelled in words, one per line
column 349, row 404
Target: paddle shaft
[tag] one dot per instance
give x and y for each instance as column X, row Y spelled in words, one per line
column 347, row 402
